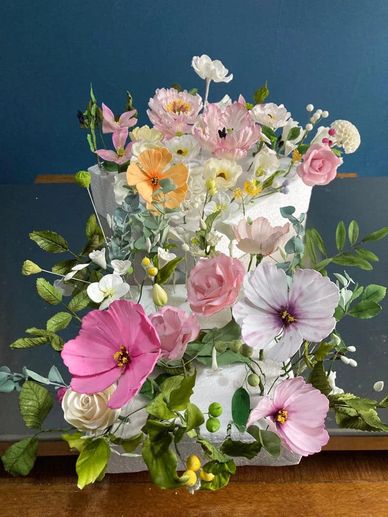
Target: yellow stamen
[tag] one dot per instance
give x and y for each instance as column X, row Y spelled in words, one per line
column 252, row 188
column 296, row 156
column 287, row 317
column 281, row 416
column 178, row 106
column 122, row 357
column 237, row 193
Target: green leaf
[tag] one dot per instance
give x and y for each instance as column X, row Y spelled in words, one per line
column 29, row 342
column 91, row 462
column 179, row 397
column 261, row 94
column 92, row 227
column 240, row 408
column 59, row 321
column 222, row 473
column 374, row 293
column 161, row 461
column 48, row 292
column 340, row 236
column 79, row 302
column 318, row 378
column 377, row 235
column 63, row 267
column 365, row 309
column 318, row 240
column 322, row 351
column 347, row 259
column 243, row 449
column 356, row 413
column 194, row 417
column 76, row 440
column 270, row 134
column 49, row 241
column 367, row 254
column 35, row 403
column 353, row 232
column 19, row 459
column 165, row 273
column 56, row 342
column 270, row 441
column 211, row 451
column 158, row 408
column 131, row 444
column 294, row 133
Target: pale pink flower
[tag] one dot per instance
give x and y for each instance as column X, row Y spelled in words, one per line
column 117, row 345
column 296, row 412
column 109, row 123
column 228, row 132
column 173, row 112
column 258, row 237
column 319, row 165
column 277, row 318
column 175, row 328
column 122, row 153
column 214, row 284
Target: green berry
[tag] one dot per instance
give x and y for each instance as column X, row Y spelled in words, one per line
column 213, row 424
column 215, row 409
column 246, row 350
column 253, row 380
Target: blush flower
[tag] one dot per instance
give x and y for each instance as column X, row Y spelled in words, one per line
column 122, row 152
column 229, row 132
column 319, row 165
column 173, row 112
column 258, row 237
column 109, row 123
column 296, row 412
column 117, row 345
column 271, row 115
column 214, row 284
column 175, row 328
column 276, row 318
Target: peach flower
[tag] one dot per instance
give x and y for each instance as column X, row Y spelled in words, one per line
column 258, row 237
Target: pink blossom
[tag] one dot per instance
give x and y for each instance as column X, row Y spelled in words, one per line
column 60, row 393
column 277, row 318
column 296, row 412
column 109, row 123
column 214, row 284
column 122, row 153
column 175, row 328
column 173, row 112
column 258, row 237
column 116, row 345
column 228, row 132
column 319, row 165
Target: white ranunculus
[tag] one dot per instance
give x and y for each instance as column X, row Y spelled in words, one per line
column 270, row 114
column 107, row 290
column 89, row 412
column 146, row 134
column 265, row 162
column 211, row 70
column 98, row 257
column 290, row 145
column 121, row 267
column 184, row 148
column 224, row 172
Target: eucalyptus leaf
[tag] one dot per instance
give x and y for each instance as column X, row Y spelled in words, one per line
column 377, row 235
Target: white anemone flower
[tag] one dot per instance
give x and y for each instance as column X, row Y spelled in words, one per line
column 184, row 148
column 270, row 114
column 224, row 172
column 211, row 70
column 98, row 257
column 107, row 290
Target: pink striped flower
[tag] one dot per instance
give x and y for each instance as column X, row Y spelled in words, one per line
column 111, row 125
column 122, row 152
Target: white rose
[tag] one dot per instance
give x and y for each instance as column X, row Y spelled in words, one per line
column 89, row 412
column 211, row 70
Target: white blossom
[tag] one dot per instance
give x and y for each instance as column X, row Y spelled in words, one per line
column 331, row 378
column 346, row 135
column 74, row 270
column 107, row 290
column 184, row 148
column 211, row 70
column 270, row 114
column 164, row 257
column 121, row 267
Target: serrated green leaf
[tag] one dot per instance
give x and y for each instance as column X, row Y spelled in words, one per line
column 50, row 241
column 240, row 408
column 91, row 462
column 377, row 235
column 19, row 459
column 56, row 342
column 48, row 292
column 92, row 227
column 29, row 342
column 318, row 378
column 340, row 236
column 59, row 321
column 365, row 309
column 35, row 403
column 79, row 302
column 63, row 267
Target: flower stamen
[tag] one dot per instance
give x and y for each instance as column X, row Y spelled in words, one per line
column 122, row 357
column 281, row 416
column 287, row 317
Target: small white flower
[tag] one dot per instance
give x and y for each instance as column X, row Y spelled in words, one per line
column 290, row 145
column 378, row 386
column 322, row 132
column 89, row 412
column 224, row 172
column 211, row 70
column 74, row 271
column 164, row 257
column 270, row 114
column 146, row 134
column 98, row 257
column 120, row 187
column 351, row 348
column 265, row 162
column 346, row 135
column 331, row 378
column 107, row 290
column 184, row 148
column 139, row 147
column 121, row 267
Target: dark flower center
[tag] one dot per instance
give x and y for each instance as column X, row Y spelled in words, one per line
column 122, row 357
column 281, row 416
column 286, row 317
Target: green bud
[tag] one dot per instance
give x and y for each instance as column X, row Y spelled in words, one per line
column 220, row 347
column 30, row 268
column 235, row 346
column 83, row 178
column 213, row 424
column 253, row 380
column 215, row 409
column 246, row 350
column 159, row 295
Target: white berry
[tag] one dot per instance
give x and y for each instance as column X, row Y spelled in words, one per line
column 309, row 107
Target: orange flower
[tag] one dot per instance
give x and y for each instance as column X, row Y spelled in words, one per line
column 150, row 169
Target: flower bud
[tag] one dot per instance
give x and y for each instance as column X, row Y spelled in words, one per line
column 193, row 463
column 145, row 262
column 191, row 477
column 213, row 424
column 206, row 476
column 253, row 380
column 215, row 409
column 159, row 295
column 30, row 268
column 378, row 386
column 83, row 178
column 152, row 271
column 246, row 350
column 351, row 348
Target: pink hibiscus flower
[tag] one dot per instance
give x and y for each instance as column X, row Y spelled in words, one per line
column 117, row 345
column 122, row 153
column 296, row 412
column 276, row 318
column 228, row 132
column 109, row 123
column 173, row 112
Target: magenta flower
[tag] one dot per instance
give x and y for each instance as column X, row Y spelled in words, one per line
column 277, row 318
column 297, row 413
column 109, row 123
column 175, row 328
column 173, row 112
column 122, row 153
column 228, row 132
column 117, row 345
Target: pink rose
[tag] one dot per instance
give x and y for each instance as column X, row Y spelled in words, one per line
column 214, row 284
column 319, row 165
column 258, row 237
column 175, row 329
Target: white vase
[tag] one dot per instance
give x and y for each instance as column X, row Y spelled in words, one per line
column 102, row 187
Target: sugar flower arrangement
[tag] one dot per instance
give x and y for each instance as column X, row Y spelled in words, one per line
column 186, row 281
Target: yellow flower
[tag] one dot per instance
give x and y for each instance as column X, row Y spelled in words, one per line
column 191, row 477
column 152, row 271
column 193, row 463
column 296, row 156
column 145, row 262
column 237, row 193
column 252, row 188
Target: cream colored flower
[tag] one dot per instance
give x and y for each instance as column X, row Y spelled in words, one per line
column 224, row 172
column 346, row 135
column 270, row 114
column 89, row 412
column 146, row 134
column 211, row 70
column 183, row 148
column 265, row 162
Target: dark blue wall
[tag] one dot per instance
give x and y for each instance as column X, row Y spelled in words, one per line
column 333, row 54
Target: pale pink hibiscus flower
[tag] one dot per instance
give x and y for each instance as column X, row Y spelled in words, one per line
column 296, row 412
column 111, row 125
column 119, row 345
column 277, row 318
column 259, row 237
column 228, row 132
column 122, row 153
column 173, row 112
